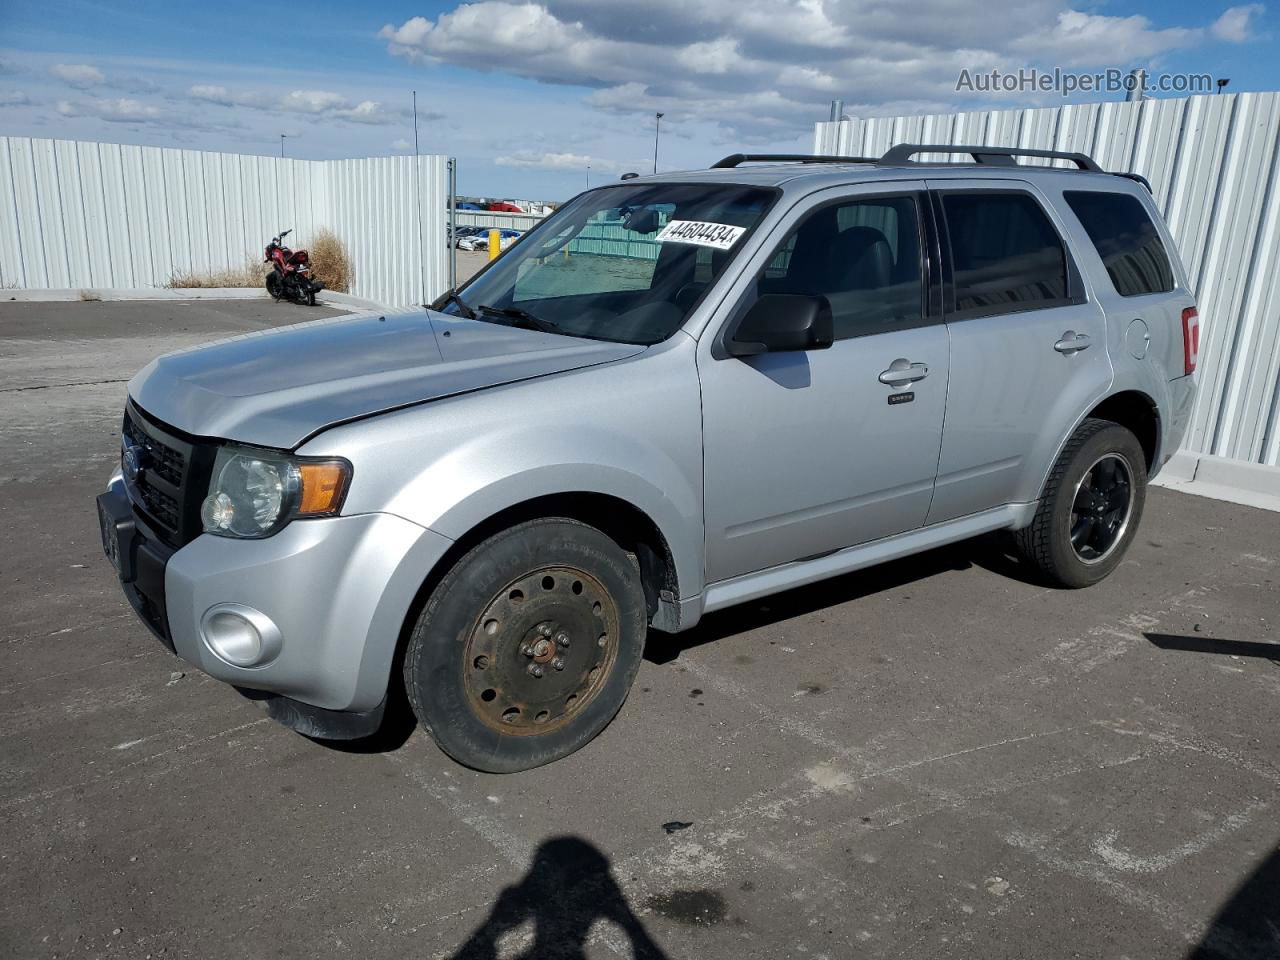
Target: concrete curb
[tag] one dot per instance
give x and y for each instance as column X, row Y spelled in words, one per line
column 331, row 298
column 1221, row 478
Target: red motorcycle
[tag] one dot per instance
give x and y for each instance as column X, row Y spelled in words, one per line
column 290, row 274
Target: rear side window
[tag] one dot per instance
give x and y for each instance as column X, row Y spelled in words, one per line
column 1126, row 240
column 1005, row 254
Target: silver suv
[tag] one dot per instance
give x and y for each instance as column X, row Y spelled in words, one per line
column 676, row 394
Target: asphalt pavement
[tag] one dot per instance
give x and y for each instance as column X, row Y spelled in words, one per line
column 934, row 758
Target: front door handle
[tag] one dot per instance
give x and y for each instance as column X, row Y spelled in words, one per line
column 903, row 371
column 1072, row 342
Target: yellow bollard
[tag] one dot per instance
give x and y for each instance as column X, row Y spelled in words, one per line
column 495, row 244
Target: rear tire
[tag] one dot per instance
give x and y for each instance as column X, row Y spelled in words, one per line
column 528, row 646
column 1091, row 506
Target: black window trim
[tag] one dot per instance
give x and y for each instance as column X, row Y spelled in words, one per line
column 1173, row 277
column 1075, row 281
column 927, row 240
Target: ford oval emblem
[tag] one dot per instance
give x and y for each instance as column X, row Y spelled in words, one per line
column 131, row 463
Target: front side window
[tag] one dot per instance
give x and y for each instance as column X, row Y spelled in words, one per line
column 1126, row 240
column 863, row 256
column 624, row 263
column 1005, row 254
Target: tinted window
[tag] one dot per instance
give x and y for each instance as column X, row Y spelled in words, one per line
column 863, row 256
column 1005, row 254
column 1126, row 240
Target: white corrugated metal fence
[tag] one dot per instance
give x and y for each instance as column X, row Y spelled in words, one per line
column 104, row 215
column 1212, row 162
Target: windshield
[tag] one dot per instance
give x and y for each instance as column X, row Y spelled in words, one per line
column 625, row 263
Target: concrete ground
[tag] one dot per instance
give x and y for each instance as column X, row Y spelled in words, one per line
column 931, row 759
column 468, row 263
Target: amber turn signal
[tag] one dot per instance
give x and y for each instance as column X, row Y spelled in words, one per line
column 324, row 484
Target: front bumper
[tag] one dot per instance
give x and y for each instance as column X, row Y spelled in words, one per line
column 338, row 589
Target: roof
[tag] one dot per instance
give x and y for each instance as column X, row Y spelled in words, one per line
column 815, row 172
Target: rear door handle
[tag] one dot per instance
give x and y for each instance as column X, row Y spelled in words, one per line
column 1072, row 342
column 903, row 371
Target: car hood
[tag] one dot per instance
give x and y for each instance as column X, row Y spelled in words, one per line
column 277, row 387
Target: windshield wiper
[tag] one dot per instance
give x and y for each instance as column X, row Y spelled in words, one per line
column 521, row 318
column 463, row 308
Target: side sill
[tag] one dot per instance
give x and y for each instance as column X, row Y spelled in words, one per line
column 750, row 586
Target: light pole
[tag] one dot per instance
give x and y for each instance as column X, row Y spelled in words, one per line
column 588, row 176
column 282, row 136
column 657, row 124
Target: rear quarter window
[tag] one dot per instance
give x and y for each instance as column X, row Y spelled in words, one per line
column 1126, row 239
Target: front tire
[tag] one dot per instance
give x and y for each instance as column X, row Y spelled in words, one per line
column 275, row 285
column 1091, row 506
column 528, row 646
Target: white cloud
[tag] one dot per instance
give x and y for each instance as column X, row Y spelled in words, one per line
column 79, row 75
column 14, row 98
column 401, row 145
column 318, row 103
column 758, row 67
column 1087, row 39
column 1234, row 26
column 112, row 109
column 551, row 161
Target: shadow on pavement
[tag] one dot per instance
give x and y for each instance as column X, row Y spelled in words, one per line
column 992, row 552
column 1248, row 925
column 568, row 888
column 1235, row 648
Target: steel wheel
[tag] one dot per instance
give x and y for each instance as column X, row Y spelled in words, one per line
column 541, row 650
column 1101, row 508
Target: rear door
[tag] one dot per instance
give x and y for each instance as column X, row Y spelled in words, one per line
column 809, row 452
column 1028, row 344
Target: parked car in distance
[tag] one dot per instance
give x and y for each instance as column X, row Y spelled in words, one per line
column 479, row 240
column 463, row 232
column 763, row 375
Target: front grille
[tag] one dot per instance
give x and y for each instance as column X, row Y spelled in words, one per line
column 171, row 477
column 161, row 506
column 167, row 463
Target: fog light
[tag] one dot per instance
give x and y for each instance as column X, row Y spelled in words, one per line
column 240, row 635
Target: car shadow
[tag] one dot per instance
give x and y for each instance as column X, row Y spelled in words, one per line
column 568, row 888
column 992, row 552
column 1248, row 925
column 1233, row 648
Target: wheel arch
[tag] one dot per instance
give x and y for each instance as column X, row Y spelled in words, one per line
column 1137, row 412
column 1132, row 408
column 627, row 524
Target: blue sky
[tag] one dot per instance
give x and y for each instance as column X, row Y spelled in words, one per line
column 527, row 95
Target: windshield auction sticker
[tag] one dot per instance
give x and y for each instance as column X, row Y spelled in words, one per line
column 719, row 236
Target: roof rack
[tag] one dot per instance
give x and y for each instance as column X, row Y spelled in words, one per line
column 994, row 156
column 734, row 159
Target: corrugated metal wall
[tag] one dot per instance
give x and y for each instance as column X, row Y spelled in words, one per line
column 104, row 215
column 497, row 219
column 1212, row 162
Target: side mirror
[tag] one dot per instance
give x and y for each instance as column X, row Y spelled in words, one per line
column 779, row 322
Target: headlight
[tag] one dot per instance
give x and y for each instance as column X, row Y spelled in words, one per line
column 254, row 493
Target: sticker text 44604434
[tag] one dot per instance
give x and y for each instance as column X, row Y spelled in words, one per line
column 720, row 236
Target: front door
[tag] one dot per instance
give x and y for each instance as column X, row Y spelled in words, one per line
column 808, row 452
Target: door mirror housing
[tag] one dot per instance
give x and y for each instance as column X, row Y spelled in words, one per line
column 779, row 322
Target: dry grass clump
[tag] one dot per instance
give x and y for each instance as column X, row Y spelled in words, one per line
column 90, row 296
column 329, row 261
column 252, row 274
